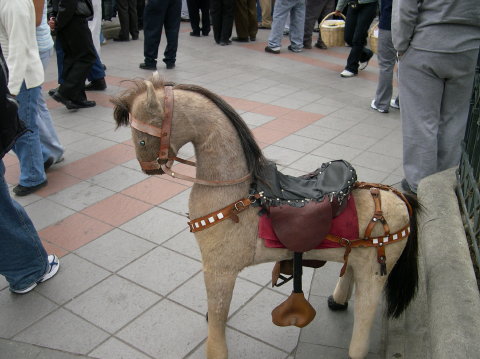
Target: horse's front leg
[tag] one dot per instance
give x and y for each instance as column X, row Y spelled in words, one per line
column 219, row 295
column 368, row 290
column 343, row 291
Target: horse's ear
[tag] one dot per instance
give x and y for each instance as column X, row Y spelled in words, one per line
column 120, row 111
column 152, row 100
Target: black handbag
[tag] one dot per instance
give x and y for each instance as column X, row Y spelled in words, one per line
column 83, row 9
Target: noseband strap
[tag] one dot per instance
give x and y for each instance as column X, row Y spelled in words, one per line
column 163, row 161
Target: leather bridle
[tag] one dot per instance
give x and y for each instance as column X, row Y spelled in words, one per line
column 163, row 161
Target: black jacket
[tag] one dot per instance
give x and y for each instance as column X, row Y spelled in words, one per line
column 10, row 125
column 64, row 10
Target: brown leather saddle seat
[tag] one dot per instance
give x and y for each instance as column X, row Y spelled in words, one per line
column 302, row 208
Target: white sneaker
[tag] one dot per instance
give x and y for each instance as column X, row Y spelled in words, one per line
column 362, row 65
column 346, row 73
column 53, row 267
column 372, row 105
column 394, row 104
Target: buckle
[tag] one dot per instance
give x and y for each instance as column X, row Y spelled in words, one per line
column 239, row 203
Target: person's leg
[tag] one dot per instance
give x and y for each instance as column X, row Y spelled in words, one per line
column 386, row 62
column 51, row 147
column 172, row 28
column 123, row 17
column 297, row 22
column 227, row 20
column 327, row 7
column 60, row 58
column 241, row 19
column 205, row 8
column 24, row 259
column 280, row 12
column 193, row 12
column 252, row 19
column 421, row 93
column 365, row 15
column 459, row 72
column 133, row 19
column 312, row 11
column 266, row 6
column 27, row 147
column 97, row 71
column 216, row 14
column 153, row 19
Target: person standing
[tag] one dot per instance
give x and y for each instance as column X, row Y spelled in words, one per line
column 194, row 9
column 161, row 14
column 246, row 20
column 52, row 150
column 437, row 43
column 387, row 57
column 360, row 15
column 221, row 12
column 25, row 263
column 282, row 9
column 18, row 40
column 315, row 9
column 69, row 20
column 127, row 15
column 266, row 6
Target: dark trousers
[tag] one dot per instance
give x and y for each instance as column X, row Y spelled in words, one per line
column 222, row 19
column 79, row 56
column 161, row 14
column 127, row 15
column 246, row 18
column 357, row 24
column 194, row 7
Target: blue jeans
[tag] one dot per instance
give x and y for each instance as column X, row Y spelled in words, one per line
column 281, row 10
column 96, row 72
column 51, row 147
column 24, row 259
column 28, row 148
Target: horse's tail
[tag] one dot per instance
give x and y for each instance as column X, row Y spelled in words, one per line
column 402, row 282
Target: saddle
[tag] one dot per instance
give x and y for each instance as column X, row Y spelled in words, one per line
column 301, row 211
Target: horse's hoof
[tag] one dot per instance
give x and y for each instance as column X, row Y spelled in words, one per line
column 336, row 306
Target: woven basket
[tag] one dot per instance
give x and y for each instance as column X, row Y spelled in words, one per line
column 373, row 38
column 333, row 31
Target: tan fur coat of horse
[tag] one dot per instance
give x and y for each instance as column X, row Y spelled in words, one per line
column 205, row 120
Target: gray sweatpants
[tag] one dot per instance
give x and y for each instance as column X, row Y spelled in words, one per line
column 387, row 56
column 435, row 90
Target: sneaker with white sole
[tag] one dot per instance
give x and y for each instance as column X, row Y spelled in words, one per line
column 372, row 105
column 53, row 266
column 346, row 73
column 394, row 104
column 362, row 65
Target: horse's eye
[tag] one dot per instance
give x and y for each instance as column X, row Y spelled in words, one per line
column 142, row 143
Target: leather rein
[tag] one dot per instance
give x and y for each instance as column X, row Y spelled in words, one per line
column 163, row 161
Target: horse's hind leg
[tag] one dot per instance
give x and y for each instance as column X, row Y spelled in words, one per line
column 219, row 294
column 343, row 291
column 368, row 290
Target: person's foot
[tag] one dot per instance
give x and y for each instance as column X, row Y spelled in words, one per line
column 253, row 38
column 48, row 163
column 272, row 50
column 196, row 34
column 52, row 91
column 372, row 105
column 346, row 73
column 170, row 66
column 321, row 45
column 240, row 39
column 69, row 104
column 53, row 267
column 205, row 33
column 96, row 85
column 134, row 37
column 85, row 103
column 264, row 27
column 120, row 39
column 145, row 66
column 294, row 49
column 307, row 45
column 363, row 65
column 225, row 43
column 21, row 191
column 394, row 104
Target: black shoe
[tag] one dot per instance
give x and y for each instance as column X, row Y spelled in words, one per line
column 120, row 39
column 52, row 91
column 196, row 34
column 265, row 27
column 253, row 38
column 272, row 51
column 48, row 163
column 104, row 67
column 307, row 45
column 135, row 37
column 240, row 39
column 205, row 33
column 96, row 85
column 170, row 66
column 321, row 45
column 69, row 104
column 20, row 190
column 225, row 43
column 145, row 66
column 85, row 103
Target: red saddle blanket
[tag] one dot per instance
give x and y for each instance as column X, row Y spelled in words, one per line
column 344, row 225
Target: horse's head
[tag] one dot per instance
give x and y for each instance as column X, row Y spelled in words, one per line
column 142, row 107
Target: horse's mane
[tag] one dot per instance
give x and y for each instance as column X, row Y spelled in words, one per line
column 253, row 154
